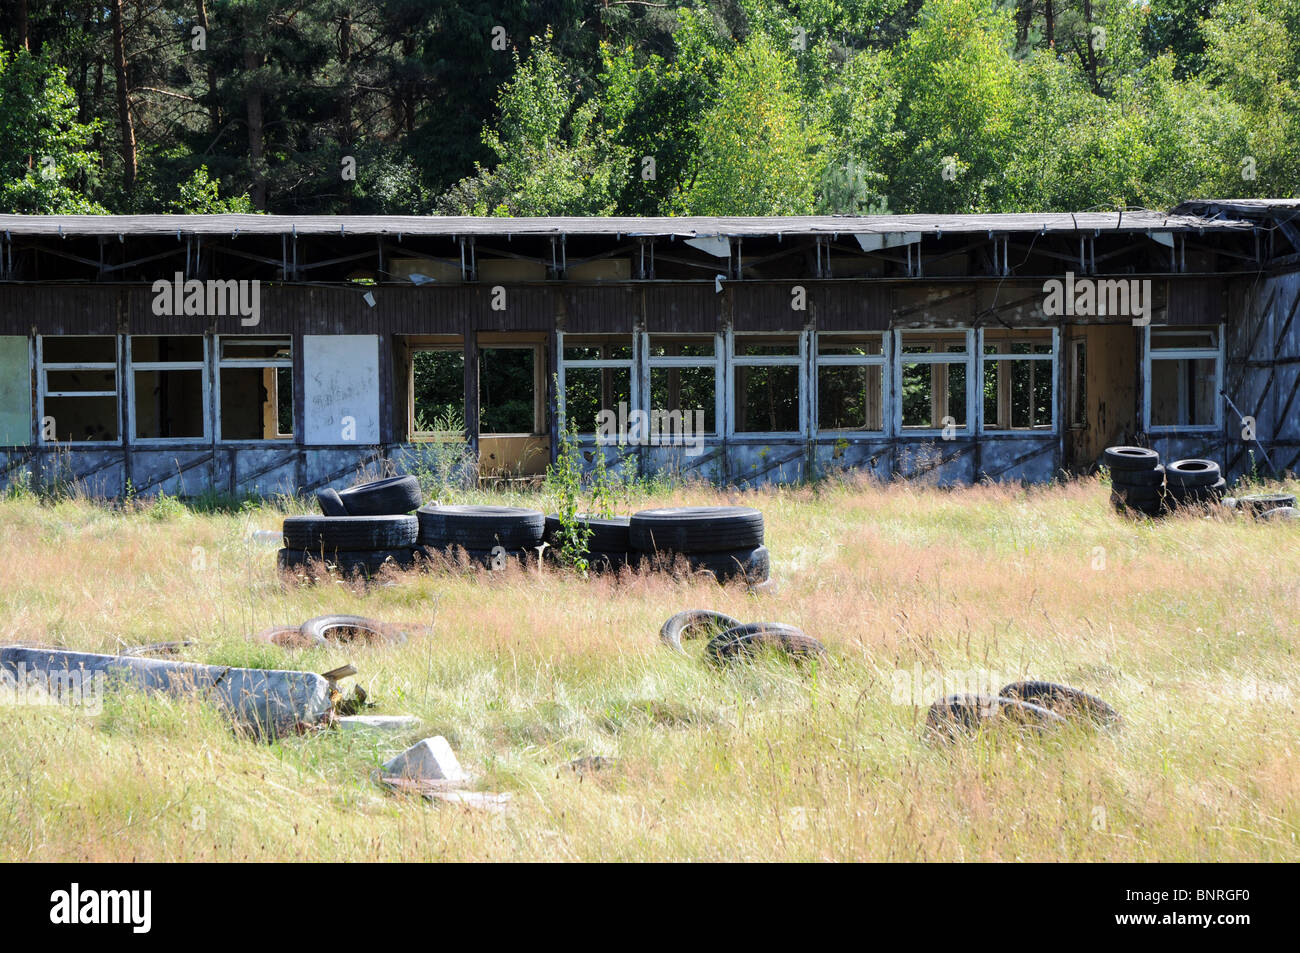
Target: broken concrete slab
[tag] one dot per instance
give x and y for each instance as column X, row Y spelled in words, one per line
column 449, row 793
column 429, row 760
column 266, row 701
column 377, row 722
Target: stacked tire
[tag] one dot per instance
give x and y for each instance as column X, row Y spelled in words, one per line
column 1137, row 479
column 1194, row 483
column 491, row 536
column 608, row 544
column 726, row 541
column 361, row 530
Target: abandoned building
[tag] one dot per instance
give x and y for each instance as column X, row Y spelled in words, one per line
column 260, row 354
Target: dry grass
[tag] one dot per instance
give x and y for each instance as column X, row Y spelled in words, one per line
column 1188, row 626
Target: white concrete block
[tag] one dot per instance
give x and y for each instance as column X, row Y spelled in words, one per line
column 429, row 760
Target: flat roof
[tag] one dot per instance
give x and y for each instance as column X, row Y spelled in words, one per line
column 455, row 226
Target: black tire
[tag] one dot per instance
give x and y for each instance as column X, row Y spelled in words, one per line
column 1258, row 504
column 330, row 503
column 1065, row 701
column 1197, row 495
column 1138, row 478
column 1280, row 514
column 350, row 630
column 1138, row 494
column 1152, row 509
column 345, row 561
column 609, row 534
column 351, row 533
column 696, row 529
column 1130, row 458
column 962, row 714
column 484, row 558
column 390, row 497
column 481, row 527
column 749, row 639
column 694, row 624
column 1188, row 473
column 600, row 561
column 752, row 565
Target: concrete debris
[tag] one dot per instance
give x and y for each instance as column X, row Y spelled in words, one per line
column 429, row 760
column 377, row 722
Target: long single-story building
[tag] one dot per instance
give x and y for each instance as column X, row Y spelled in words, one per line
column 260, row 354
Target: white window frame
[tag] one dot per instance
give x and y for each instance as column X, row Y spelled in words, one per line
column 650, row 362
column 43, row 391
column 1050, row 359
column 1175, row 354
column 614, row 363
column 200, row 365
column 936, row 357
column 222, row 362
column 882, row 360
column 799, row 360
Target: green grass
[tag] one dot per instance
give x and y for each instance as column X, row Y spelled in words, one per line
column 1188, row 626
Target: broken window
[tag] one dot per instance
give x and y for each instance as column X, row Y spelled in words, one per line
column 1018, row 379
column 934, row 370
column 508, row 389
column 437, row 391
column 684, row 379
column 850, row 382
column 1184, row 377
column 595, row 375
column 78, row 388
column 168, row 377
column 255, row 380
column 768, row 374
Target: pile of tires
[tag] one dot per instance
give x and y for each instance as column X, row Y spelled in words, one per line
column 491, row 536
column 361, row 530
column 1139, row 483
column 726, row 541
column 1266, row 506
column 1194, row 483
column 608, row 545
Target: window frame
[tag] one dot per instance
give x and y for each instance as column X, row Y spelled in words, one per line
column 224, row 362
column 201, row 365
column 1077, row 383
column 798, row 360
column 43, row 391
column 649, row 363
column 631, row 364
column 431, row 436
column 883, row 360
column 1051, row 359
column 1183, row 354
column 968, row 429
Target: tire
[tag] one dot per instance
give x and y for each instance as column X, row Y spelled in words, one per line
column 287, row 637
column 348, row 562
column 330, row 503
column 1065, row 701
column 1280, row 514
column 602, row 561
column 351, row 533
column 962, row 714
column 1147, row 495
column 696, row 529
column 1188, row 473
column 752, row 565
column 748, row 639
column 1152, row 509
column 609, row 534
column 394, row 496
column 1197, row 495
column 1138, row 478
column 694, row 624
column 1130, row 458
column 1257, row 504
column 481, row 527
column 350, row 629
column 483, row 558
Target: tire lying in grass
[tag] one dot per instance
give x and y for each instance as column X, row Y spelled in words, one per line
column 696, row 529
column 349, row 629
column 693, row 624
column 1130, row 458
column 752, row 565
column 1065, row 701
column 349, row 533
column 1138, row 479
column 751, row 638
column 389, row 497
column 493, row 558
column 1192, row 473
column 1197, row 495
column 481, row 527
column 1280, row 514
column 288, row 637
column 609, row 534
column 370, row 562
column 964, row 714
column 330, row 503
column 1257, row 504
column 1152, row 507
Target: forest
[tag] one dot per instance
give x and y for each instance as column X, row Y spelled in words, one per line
column 639, row 107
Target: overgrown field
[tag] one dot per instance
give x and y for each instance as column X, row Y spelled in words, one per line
column 1189, row 626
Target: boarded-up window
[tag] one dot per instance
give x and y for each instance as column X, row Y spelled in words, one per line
column 15, row 391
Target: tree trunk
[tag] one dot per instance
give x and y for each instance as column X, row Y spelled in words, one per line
column 1050, row 26
column 214, row 104
column 23, row 42
column 256, row 123
column 123, row 98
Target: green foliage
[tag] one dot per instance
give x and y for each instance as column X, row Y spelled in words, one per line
column 564, row 481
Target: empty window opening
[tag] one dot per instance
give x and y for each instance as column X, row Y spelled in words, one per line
column 934, row 372
column 508, row 391
column 850, row 382
column 768, row 374
column 437, row 393
column 168, row 396
column 684, row 379
column 256, row 384
column 1018, row 375
column 597, row 372
column 79, row 388
column 1184, row 377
